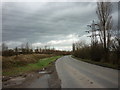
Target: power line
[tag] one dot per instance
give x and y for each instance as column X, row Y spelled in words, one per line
column 93, row 31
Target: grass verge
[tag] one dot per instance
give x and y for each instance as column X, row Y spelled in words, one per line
column 109, row 65
column 30, row 67
column 22, row 60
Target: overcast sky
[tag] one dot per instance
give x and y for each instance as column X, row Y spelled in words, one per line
column 48, row 23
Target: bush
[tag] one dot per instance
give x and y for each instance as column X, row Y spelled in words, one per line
column 94, row 52
column 97, row 52
column 113, row 58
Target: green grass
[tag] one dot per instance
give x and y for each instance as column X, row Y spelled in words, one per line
column 109, row 65
column 30, row 67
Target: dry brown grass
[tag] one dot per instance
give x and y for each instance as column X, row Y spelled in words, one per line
column 21, row 60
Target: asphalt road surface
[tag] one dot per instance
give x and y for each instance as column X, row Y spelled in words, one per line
column 78, row 74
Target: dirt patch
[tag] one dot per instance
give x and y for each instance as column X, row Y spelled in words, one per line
column 34, row 79
column 19, row 81
column 53, row 81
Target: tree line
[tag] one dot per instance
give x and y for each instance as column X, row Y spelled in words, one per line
column 25, row 49
column 105, row 40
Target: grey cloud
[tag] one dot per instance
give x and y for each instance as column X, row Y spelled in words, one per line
column 43, row 22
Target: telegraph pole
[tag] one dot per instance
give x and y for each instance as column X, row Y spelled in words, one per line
column 93, row 35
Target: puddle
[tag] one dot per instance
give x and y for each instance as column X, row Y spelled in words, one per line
column 41, row 82
column 43, row 72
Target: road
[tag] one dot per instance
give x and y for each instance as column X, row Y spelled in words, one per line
column 78, row 74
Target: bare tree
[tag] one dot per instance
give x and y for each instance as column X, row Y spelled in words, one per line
column 4, row 47
column 16, row 51
column 105, row 24
column 27, row 47
column 22, row 49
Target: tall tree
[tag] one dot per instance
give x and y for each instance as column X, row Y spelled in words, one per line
column 27, row 47
column 105, row 24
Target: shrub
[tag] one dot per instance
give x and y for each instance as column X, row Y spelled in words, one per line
column 96, row 52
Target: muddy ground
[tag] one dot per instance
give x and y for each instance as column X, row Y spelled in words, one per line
column 44, row 78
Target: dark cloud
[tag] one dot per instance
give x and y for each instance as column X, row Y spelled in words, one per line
column 45, row 22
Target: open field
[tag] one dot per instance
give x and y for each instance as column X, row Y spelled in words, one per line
column 26, row 63
column 21, row 60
